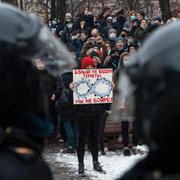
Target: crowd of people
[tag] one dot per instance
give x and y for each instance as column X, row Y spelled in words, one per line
column 103, row 41
column 32, row 84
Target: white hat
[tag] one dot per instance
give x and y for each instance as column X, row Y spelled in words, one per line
column 68, row 14
column 109, row 18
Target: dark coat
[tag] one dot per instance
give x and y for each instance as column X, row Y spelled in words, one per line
column 140, row 34
column 47, row 83
column 90, row 110
column 22, row 166
column 120, row 23
column 161, row 163
column 47, row 87
column 74, row 112
column 68, row 113
column 76, row 46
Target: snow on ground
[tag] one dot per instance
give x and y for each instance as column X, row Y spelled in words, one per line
column 114, row 163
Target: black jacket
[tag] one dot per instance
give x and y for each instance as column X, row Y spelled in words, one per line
column 19, row 166
column 73, row 112
column 22, row 167
column 90, row 110
column 69, row 112
column 163, row 164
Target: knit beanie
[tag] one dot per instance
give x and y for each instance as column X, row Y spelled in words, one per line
column 86, row 61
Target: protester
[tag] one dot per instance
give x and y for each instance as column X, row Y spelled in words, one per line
column 142, row 31
column 96, row 41
column 67, row 112
column 68, row 28
column 89, row 121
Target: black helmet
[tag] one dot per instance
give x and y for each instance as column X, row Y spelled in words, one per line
column 22, row 40
column 154, row 77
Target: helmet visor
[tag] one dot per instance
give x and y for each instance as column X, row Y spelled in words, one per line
column 53, row 53
column 123, row 105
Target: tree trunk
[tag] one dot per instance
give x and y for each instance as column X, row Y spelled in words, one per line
column 53, row 9
column 13, row 2
column 130, row 4
column 165, row 9
column 61, row 9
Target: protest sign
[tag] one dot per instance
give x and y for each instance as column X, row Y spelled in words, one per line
column 92, row 86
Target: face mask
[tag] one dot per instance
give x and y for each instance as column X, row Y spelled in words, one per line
column 53, row 22
column 68, row 19
column 73, row 37
column 123, row 35
column 112, row 36
column 109, row 21
column 53, row 30
column 130, row 41
column 133, row 18
column 120, row 49
column 69, row 25
column 114, row 20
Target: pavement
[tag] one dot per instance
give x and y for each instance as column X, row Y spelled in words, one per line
column 58, row 170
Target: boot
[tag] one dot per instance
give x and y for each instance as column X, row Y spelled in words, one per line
column 103, row 152
column 81, row 169
column 97, row 167
column 70, row 150
column 126, row 151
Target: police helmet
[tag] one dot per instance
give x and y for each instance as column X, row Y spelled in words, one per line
column 153, row 79
column 23, row 39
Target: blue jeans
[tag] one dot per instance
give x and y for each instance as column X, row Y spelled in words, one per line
column 71, row 132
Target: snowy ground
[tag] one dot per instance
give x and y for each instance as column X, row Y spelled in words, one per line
column 114, row 163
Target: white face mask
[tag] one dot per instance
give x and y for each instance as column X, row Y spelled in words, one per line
column 112, row 36
column 69, row 19
column 130, row 41
column 114, row 20
column 54, row 22
column 53, row 30
column 70, row 25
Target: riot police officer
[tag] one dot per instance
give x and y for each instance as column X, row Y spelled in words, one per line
column 24, row 123
column 153, row 80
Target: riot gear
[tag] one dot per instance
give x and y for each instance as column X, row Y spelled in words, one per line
column 154, row 75
column 28, row 54
column 22, row 40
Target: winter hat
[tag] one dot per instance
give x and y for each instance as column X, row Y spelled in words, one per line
column 68, row 15
column 112, row 30
column 157, row 18
column 109, row 18
column 119, row 39
column 86, row 61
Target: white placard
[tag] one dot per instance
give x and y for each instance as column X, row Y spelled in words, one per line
column 92, row 86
